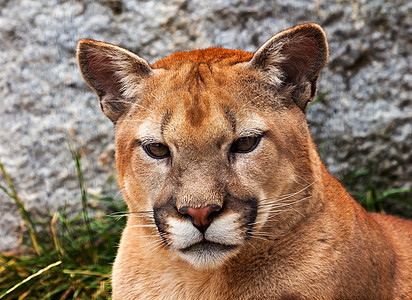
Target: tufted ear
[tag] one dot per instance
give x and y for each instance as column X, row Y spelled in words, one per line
column 113, row 73
column 294, row 58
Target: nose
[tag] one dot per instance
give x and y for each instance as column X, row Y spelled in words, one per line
column 201, row 217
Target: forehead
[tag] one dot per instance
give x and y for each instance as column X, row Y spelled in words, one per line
column 194, row 116
column 199, row 95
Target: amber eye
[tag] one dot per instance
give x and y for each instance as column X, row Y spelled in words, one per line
column 157, row 150
column 245, row 144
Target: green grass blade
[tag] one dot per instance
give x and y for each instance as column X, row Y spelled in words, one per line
column 11, row 191
column 77, row 159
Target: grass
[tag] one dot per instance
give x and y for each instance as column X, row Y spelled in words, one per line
column 71, row 257
column 362, row 187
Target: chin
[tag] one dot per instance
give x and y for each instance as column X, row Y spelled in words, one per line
column 207, row 255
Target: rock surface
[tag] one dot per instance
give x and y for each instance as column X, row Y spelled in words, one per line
column 366, row 115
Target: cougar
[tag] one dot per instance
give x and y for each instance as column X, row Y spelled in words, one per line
column 227, row 196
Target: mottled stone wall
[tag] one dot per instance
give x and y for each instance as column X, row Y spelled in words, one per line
column 366, row 115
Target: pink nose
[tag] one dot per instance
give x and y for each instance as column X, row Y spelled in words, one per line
column 201, row 217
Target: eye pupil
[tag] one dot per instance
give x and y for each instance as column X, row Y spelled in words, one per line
column 157, row 150
column 245, row 144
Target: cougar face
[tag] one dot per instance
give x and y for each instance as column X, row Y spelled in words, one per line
column 197, row 158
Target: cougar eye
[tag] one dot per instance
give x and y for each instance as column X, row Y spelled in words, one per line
column 245, row 144
column 156, row 150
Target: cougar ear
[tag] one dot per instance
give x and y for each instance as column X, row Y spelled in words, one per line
column 113, row 73
column 294, row 57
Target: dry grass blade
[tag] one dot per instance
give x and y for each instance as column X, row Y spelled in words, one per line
column 30, row 278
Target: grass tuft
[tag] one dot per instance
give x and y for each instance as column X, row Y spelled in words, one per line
column 362, row 187
column 67, row 257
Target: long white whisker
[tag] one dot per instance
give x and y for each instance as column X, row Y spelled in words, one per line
column 290, row 203
column 303, row 178
column 241, row 92
column 160, row 245
column 143, row 225
column 288, row 195
column 119, row 193
column 158, row 101
column 250, row 101
column 258, row 222
column 128, row 214
column 142, row 212
column 272, row 216
column 140, row 215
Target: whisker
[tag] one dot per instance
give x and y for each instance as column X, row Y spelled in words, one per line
column 288, row 195
column 250, row 101
column 143, row 225
column 303, row 179
column 130, row 214
column 150, row 216
column 289, row 203
column 258, row 222
column 241, row 92
column 160, row 245
column 142, row 215
column 119, row 193
column 277, row 209
column 158, row 101
column 272, row 216
column 144, row 212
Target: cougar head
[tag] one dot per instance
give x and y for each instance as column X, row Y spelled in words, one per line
column 211, row 145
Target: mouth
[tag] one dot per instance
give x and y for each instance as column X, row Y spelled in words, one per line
column 206, row 254
column 207, row 246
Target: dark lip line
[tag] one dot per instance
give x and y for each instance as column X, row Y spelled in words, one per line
column 206, row 242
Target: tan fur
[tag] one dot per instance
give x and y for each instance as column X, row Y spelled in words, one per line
column 286, row 229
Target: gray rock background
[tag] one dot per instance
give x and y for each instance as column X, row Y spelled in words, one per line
column 366, row 115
